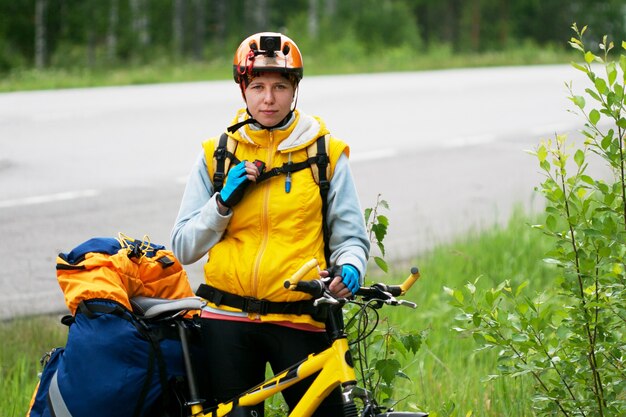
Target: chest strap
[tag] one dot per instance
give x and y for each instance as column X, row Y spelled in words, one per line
column 262, row 307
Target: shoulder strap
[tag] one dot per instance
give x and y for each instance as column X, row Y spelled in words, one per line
column 319, row 148
column 222, row 157
column 320, row 166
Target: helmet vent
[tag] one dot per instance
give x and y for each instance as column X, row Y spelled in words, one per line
column 286, row 49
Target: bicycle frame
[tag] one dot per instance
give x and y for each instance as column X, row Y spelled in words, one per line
column 333, row 366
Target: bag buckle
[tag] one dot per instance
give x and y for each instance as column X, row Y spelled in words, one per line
column 254, row 305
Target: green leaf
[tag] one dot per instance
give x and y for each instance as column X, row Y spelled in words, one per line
column 601, row 86
column 622, row 123
column 519, row 337
column 611, row 72
column 387, row 369
column 594, row 117
column 521, row 287
column 381, row 263
column 412, row 342
column 367, row 213
column 579, row 157
column 551, row 223
column 575, row 43
column 380, row 230
column 579, row 101
column 542, row 153
column 589, row 57
column 383, row 220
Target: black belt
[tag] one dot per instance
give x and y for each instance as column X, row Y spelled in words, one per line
column 254, row 305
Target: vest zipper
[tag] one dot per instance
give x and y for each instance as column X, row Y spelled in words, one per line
column 264, row 221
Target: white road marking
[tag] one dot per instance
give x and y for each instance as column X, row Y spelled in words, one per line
column 49, row 198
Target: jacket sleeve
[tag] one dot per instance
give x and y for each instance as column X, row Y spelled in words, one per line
column 348, row 241
column 199, row 225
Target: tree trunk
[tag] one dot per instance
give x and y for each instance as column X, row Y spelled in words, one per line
column 475, row 25
column 256, row 15
column 112, row 31
column 41, row 47
column 177, row 28
column 199, row 29
column 139, row 19
column 313, row 21
column 331, row 8
column 91, row 34
column 505, row 23
column 220, row 13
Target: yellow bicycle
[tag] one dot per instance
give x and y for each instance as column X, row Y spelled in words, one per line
column 333, row 366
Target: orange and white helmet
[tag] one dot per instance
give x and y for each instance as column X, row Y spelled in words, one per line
column 267, row 52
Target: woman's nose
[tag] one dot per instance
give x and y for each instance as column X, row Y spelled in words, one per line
column 269, row 96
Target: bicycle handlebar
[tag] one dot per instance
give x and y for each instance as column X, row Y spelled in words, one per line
column 317, row 287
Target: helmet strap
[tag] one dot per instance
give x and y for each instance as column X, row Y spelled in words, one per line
column 236, row 126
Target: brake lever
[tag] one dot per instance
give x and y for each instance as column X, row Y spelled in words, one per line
column 326, row 299
column 406, row 303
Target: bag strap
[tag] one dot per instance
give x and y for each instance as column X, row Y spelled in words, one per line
column 318, row 160
column 322, row 162
column 223, row 155
column 92, row 309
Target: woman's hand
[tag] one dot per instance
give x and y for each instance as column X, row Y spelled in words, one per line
column 346, row 278
column 239, row 177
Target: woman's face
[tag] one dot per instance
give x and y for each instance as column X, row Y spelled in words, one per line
column 269, row 97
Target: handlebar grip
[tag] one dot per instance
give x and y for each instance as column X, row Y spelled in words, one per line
column 393, row 290
column 300, row 273
column 314, row 287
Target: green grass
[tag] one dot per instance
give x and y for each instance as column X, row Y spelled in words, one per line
column 23, row 343
column 332, row 62
column 447, row 373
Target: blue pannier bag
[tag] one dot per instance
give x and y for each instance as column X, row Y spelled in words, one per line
column 50, row 362
column 113, row 365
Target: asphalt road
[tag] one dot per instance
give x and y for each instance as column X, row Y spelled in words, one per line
column 446, row 149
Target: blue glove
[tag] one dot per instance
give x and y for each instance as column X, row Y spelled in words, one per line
column 236, row 183
column 350, row 277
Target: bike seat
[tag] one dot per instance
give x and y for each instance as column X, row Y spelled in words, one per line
column 149, row 308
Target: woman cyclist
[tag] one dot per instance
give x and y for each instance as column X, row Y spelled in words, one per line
column 262, row 221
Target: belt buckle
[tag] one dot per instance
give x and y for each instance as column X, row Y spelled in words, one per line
column 254, row 305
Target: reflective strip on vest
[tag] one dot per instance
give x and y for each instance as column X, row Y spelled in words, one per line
column 59, row 408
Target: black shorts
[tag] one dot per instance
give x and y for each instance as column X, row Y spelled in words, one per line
column 235, row 355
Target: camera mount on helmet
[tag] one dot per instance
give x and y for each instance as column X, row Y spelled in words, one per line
column 269, row 45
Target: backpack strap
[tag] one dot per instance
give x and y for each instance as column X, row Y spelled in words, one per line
column 320, row 166
column 222, row 157
column 319, row 148
column 318, row 160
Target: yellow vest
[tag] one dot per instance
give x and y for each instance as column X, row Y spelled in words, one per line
column 271, row 233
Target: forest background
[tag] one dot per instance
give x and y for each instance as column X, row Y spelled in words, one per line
column 90, row 42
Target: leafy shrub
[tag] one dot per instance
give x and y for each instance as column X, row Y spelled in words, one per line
column 572, row 337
